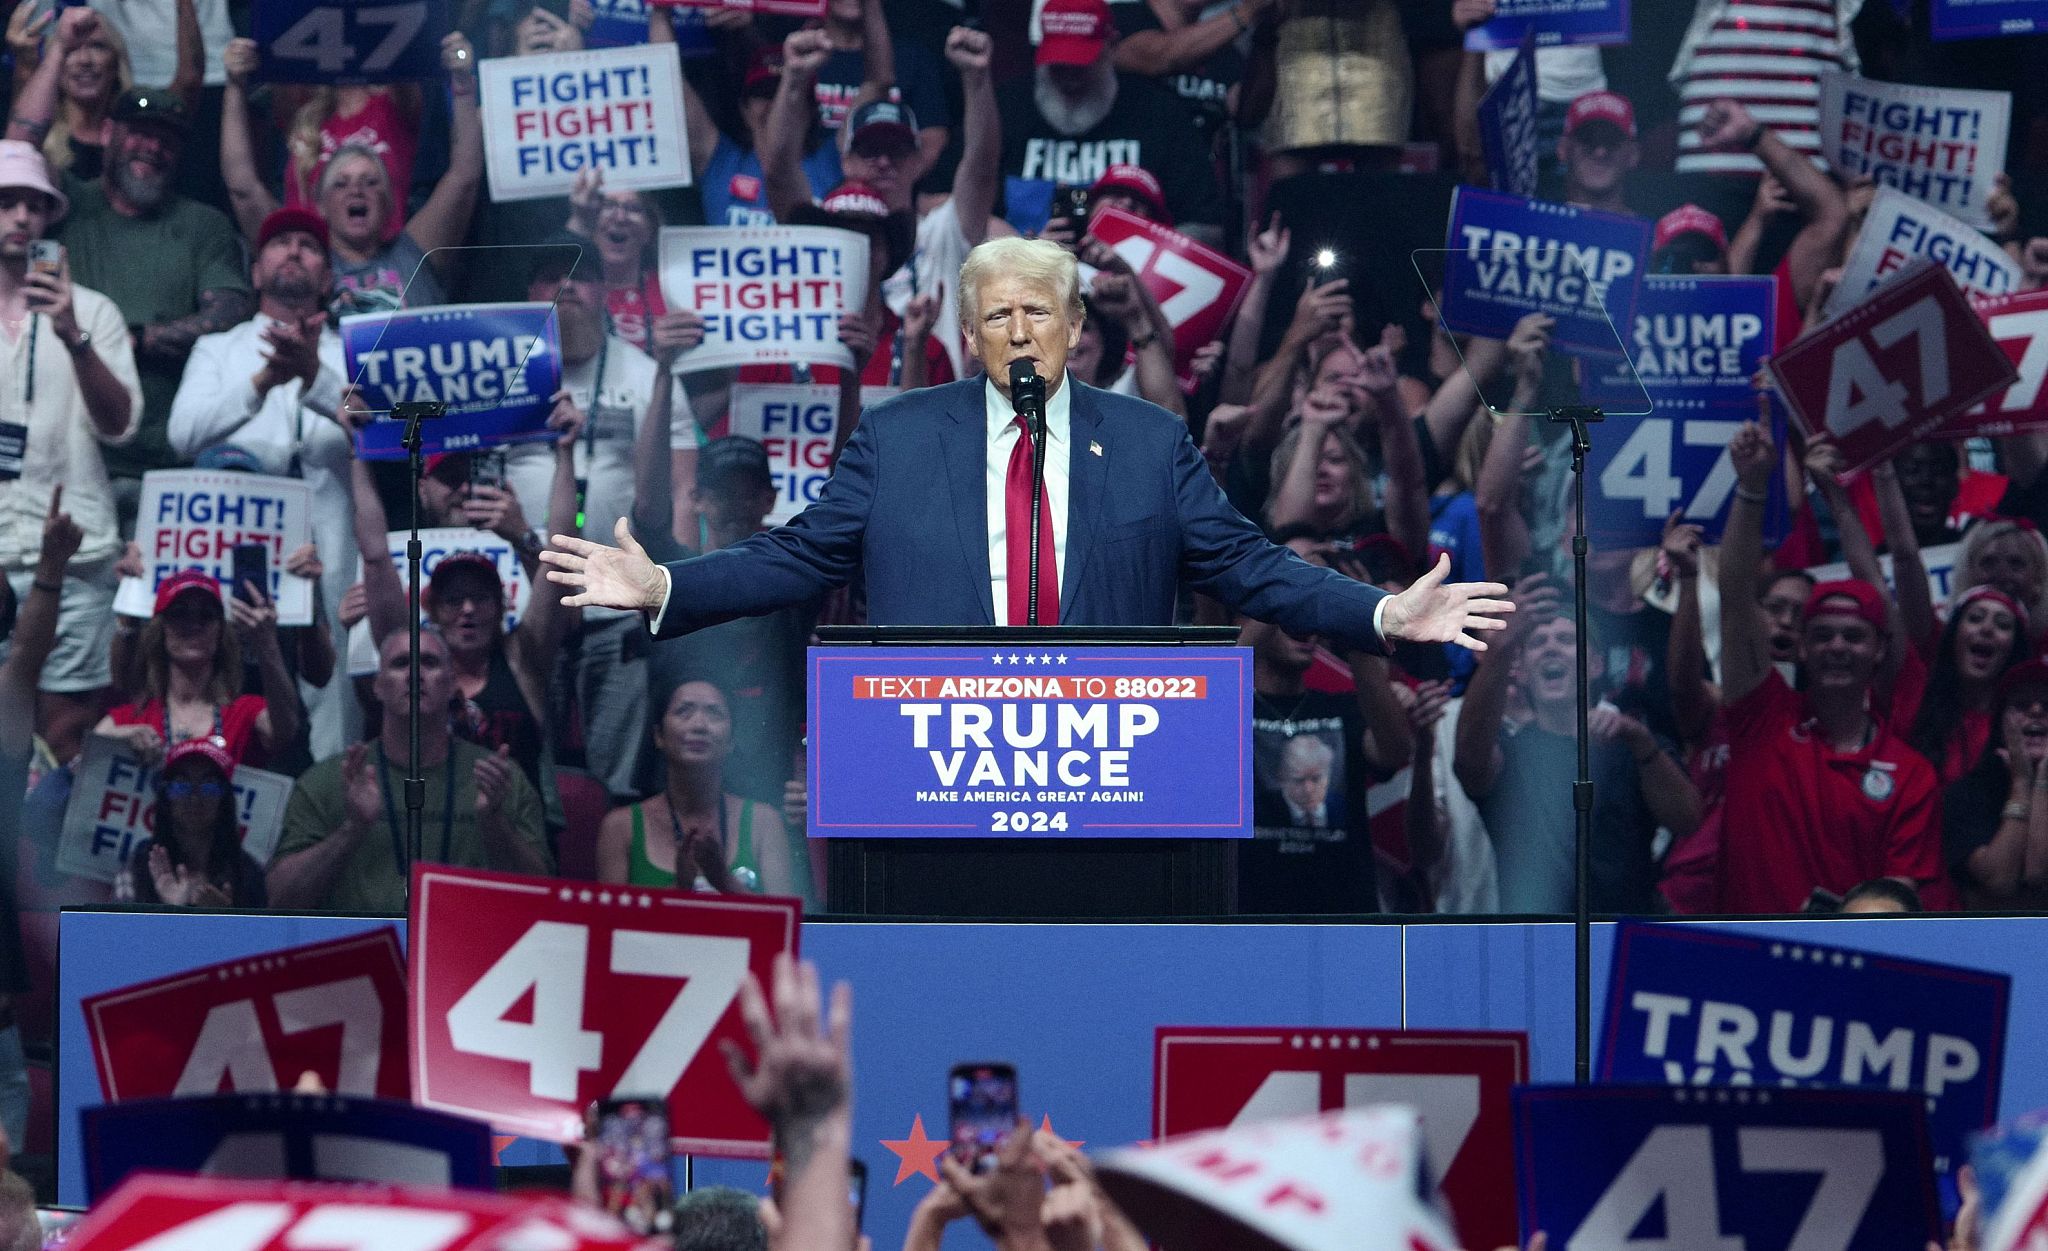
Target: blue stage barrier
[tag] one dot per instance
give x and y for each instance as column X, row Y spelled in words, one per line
column 1074, row 1006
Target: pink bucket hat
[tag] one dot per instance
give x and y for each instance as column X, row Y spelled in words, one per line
column 22, row 165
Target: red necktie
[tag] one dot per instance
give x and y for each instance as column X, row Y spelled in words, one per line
column 1016, row 535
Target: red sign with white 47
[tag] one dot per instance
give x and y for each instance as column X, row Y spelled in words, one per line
column 531, row 997
column 1893, row 368
column 1459, row 1080
column 336, row 1009
column 219, row 1214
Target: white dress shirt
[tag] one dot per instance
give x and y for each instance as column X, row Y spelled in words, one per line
column 1002, row 440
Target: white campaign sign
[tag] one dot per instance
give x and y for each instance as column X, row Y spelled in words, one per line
column 194, row 519
column 1941, row 145
column 1941, row 570
column 797, row 425
column 1898, row 230
column 767, row 294
column 1342, row 1181
column 548, row 118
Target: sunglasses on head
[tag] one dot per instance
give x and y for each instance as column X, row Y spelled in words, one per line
column 191, row 790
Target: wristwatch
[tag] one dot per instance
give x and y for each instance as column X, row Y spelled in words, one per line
column 84, row 342
column 530, row 544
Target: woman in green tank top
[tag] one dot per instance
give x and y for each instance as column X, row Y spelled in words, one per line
column 724, row 842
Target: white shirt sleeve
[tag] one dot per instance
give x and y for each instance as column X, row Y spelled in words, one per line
column 1379, row 612
column 667, row 586
column 212, row 402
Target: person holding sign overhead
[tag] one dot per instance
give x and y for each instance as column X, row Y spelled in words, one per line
column 354, row 192
column 927, row 493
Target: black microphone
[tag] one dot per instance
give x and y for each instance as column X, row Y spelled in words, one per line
column 1027, row 394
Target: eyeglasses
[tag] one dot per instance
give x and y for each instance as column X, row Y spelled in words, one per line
column 190, row 790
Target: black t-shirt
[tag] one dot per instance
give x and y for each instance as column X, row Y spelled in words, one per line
column 1971, row 809
column 918, row 84
column 1635, row 646
column 499, row 716
column 1530, row 817
column 1204, row 88
column 759, row 661
column 1148, row 126
column 1311, row 849
column 242, row 882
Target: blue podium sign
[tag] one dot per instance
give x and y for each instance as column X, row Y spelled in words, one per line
column 1034, row 742
column 1705, row 1007
column 1754, row 1169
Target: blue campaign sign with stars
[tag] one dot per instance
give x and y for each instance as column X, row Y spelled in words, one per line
column 330, row 42
column 1034, row 742
column 1724, row 1170
column 1692, row 1006
column 496, row 366
column 1507, row 125
column 1694, row 346
column 1509, row 256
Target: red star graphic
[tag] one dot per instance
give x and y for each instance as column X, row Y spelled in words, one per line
column 917, row 1153
column 1045, row 1126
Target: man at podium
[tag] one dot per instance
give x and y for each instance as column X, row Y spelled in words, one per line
column 931, row 498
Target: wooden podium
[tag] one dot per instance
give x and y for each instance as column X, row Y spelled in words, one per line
column 1059, row 878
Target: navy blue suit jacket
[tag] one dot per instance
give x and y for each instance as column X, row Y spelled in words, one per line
column 907, row 504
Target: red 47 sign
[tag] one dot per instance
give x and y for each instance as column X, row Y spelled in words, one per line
column 2018, row 323
column 1198, row 288
column 336, row 1009
column 531, row 997
column 1893, row 368
column 1460, row 1081
column 215, row 1214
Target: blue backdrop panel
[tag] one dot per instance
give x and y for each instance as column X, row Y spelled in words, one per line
column 1072, row 1006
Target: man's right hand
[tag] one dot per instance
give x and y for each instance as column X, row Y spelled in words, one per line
column 240, row 59
column 362, row 787
column 969, row 50
column 1321, row 309
column 597, row 576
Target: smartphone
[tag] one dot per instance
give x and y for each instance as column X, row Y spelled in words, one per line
column 487, row 469
column 1072, row 204
column 45, row 256
column 251, row 568
column 857, row 1191
column 633, row 1174
column 982, row 1102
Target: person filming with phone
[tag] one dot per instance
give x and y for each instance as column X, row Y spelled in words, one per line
column 68, row 387
column 931, row 499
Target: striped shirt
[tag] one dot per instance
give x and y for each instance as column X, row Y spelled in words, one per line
column 1767, row 55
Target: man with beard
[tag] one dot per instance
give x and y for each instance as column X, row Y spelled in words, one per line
column 1820, row 793
column 1078, row 115
column 69, row 380
column 171, row 265
column 266, row 387
column 612, row 381
column 1519, row 776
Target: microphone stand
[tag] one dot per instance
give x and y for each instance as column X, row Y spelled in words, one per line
column 1578, row 417
column 1027, row 395
column 415, row 782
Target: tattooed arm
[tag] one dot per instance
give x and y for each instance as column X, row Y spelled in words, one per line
column 220, row 308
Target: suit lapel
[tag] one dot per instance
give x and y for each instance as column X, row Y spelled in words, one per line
column 963, row 441
column 1087, row 476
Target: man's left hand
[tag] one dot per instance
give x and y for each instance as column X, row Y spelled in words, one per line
column 1433, row 611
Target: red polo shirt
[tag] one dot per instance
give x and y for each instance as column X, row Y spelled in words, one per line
column 1799, row 814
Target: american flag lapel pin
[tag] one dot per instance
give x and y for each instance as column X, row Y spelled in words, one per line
column 1094, row 448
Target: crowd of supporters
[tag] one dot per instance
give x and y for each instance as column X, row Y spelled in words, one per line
column 1764, row 742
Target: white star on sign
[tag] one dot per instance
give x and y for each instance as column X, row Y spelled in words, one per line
column 995, row 660
column 1063, row 659
column 1045, row 659
column 1013, row 658
column 1030, row 659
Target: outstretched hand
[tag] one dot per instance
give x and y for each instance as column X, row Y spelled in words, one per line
column 620, row 577
column 1433, row 611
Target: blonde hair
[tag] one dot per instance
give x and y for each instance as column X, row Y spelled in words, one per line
column 1037, row 261
column 57, row 143
column 1360, row 506
column 1984, row 534
column 303, row 141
